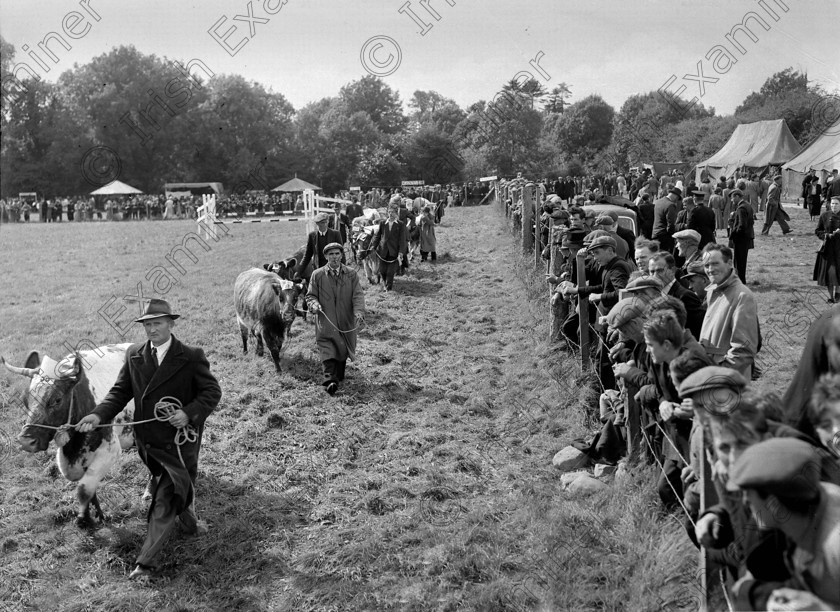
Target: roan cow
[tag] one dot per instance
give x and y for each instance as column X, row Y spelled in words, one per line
column 265, row 308
column 64, row 392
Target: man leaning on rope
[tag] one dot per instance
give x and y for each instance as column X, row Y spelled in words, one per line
column 163, row 370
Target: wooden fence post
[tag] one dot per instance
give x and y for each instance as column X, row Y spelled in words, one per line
column 527, row 217
column 583, row 310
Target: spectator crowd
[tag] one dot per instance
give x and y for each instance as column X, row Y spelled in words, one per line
column 673, row 335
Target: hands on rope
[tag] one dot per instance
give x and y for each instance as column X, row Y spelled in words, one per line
column 315, row 308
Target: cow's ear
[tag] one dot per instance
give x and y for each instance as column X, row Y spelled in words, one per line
column 290, row 263
column 266, row 266
column 33, row 360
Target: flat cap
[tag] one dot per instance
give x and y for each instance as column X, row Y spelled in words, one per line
column 688, row 234
column 736, row 192
column 321, row 217
column 712, row 377
column 695, row 268
column 645, row 282
column 332, row 246
column 785, row 467
column 600, row 242
column 699, row 194
column 625, row 311
column 604, row 220
column 555, row 198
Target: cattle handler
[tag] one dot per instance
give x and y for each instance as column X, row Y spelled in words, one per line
column 163, row 371
column 336, row 296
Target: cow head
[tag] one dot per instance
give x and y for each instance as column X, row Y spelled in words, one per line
column 53, row 388
column 284, row 269
column 288, row 293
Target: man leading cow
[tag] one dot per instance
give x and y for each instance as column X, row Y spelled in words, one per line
column 160, row 369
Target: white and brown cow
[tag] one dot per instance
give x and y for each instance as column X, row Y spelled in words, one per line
column 265, row 309
column 64, row 393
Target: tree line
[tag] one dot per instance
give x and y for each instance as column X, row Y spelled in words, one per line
column 174, row 121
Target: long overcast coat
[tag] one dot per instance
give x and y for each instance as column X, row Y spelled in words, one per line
column 185, row 375
column 340, row 299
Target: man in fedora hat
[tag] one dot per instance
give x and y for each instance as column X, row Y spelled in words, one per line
column 315, row 243
column 336, row 297
column 162, row 368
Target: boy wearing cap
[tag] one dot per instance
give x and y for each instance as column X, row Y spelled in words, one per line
column 162, row 368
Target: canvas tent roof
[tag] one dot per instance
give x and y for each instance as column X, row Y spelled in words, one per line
column 115, row 188
column 753, row 145
column 296, row 184
column 822, row 154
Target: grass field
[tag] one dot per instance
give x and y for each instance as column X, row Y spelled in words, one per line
column 425, row 484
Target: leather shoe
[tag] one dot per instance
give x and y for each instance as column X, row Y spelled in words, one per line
column 332, row 388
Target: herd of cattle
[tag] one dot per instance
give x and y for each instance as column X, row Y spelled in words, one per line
column 266, row 300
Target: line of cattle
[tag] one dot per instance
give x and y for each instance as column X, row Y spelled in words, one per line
column 267, row 301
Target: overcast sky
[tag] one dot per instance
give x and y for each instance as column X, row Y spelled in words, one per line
column 310, row 48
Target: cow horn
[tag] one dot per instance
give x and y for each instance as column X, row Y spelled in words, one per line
column 28, row 372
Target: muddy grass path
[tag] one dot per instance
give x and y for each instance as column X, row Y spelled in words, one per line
column 425, row 447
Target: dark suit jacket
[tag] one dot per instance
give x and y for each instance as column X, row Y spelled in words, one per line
column 184, row 375
column 389, row 244
column 664, row 217
column 694, row 307
column 645, row 217
column 614, row 276
column 629, row 238
column 702, row 220
column 315, row 248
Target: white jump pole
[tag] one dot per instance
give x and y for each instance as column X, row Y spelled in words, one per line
column 207, row 216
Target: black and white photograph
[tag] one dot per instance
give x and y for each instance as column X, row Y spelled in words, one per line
column 419, row 305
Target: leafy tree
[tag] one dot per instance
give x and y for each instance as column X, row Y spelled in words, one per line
column 556, row 102
column 373, row 96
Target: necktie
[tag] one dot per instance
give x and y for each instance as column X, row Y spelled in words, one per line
column 154, row 356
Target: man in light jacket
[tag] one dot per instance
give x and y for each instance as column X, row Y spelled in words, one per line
column 730, row 328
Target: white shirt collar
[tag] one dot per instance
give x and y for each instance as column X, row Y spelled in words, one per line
column 162, row 349
column 667, row 287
